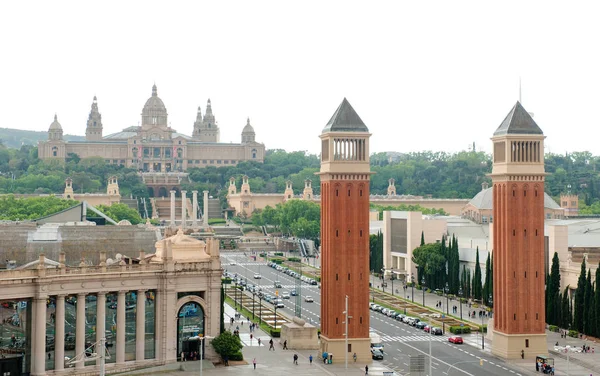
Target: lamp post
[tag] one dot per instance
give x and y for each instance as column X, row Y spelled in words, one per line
column 235, row 294
column 260, row 309
column 447, row 290
column 383, row 280
column 253, row 300
column 412, row 283
column 460, row 292
column 201, row 352
column 392, row 279
column 423, row 288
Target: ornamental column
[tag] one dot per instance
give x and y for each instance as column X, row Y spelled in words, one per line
column 205, row 215
column 183, row 208
column 59, row 337
column 195, row 208
column 140, row 324
column 39, row 342
column 80, row 328
column 100, row 320
column 121, row 325
column 172, row 208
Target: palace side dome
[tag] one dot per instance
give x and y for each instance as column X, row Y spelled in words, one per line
column 484, row 200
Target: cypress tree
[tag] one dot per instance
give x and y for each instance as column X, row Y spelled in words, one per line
column 477, row 290
column 552, row 292
column 422, row 238
column 456, row 265
column 492, row 277
column 587, row 302
column 579, row 300
column 597, row 303
column 566, row 310
column 469, row 292
column 486, row 284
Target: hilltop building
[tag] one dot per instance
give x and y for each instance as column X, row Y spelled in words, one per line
column 154, row 146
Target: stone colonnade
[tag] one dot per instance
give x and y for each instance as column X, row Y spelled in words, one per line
column 184, row 211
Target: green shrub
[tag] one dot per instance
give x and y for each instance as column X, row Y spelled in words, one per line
column 553, row 328
column 276, row 333
column 460, row 329
column 262, row 254
column 278, row 253
column 227, row 344
column 226, row 280
column 237, row 356
column 573, row 333
column 294, row 259
column 216, row 221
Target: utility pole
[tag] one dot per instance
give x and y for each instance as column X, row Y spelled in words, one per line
column 102, row 356
column 346, row 334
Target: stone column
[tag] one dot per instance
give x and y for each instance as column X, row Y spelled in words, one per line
column 80, row 328
column 140, row 325
column 100, row 320
column 172, row 208
column 121, row 326
column 205, row 214
column 183, row 209
column 194, row 208
column 39, row 343
column 59, row 337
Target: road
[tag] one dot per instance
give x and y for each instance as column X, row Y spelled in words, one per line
column 401, row 340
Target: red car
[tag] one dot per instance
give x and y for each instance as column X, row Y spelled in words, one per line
column 456, row 340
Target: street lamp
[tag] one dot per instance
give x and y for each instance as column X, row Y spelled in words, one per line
column 383, row 280
column 447, row 289
column 392, row 279
column 253, row 300
column 201, row 352
column 412, row 282
column 423, row 288
column 260, row 296
column 460, row 292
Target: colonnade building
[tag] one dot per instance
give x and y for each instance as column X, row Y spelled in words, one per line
column 148, row 311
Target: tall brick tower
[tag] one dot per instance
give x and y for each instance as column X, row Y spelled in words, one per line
column 518, row 232
column 345, row 174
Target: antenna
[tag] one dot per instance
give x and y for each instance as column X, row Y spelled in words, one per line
column 520, row 101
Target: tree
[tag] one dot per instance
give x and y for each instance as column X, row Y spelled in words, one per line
column 422, row 238
column 597, row 304
column 227, row 344
column 587, row 302
column 578, row 315
column 431, row 263
column 552, row 292
column 376, row 252
column 566, row 316
column 477, row 290
column 119, row 212
column 486, row 285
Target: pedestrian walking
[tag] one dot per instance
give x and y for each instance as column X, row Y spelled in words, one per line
column 366, row 370
column 254, row 363
column 259, row 342
column 296, row 359
column 285, row 345
column 271, row 345
column 354, row 357
column 182, row 356
column 310, row 358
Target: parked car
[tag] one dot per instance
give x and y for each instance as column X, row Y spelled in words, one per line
column 257, row 276
column 391, row 313
column 427, row 328
column 376, row 354
column 400, row 317
column 420, row 325
column 437, row 331
column 293, row 293
column 456, row 340
column 277, row 284
column 385, row 311
column 309, row 299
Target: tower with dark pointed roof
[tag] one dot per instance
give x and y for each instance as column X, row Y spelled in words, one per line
column 345, row 174
column 197, row 125
column 518, row 237
column 93, row 131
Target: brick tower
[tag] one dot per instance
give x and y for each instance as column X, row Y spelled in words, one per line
column 345, row 174
column 518, row 234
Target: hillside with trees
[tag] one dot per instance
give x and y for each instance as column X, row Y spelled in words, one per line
column 15, row 138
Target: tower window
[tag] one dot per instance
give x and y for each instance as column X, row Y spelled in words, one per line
column 536, row 232
column 336, row 321
column 336, row 276
column 525, row 316
column 336, row 193
column 348, row 232
column 525, row 274
column 537, row 316
column 524, row 193
column 361, row 233
column 514, row 233
column 525, row 232
column 513, row 193
column 526, row 343
column 336, row 233
column 348, row 193
column 361, row 319
column 348, row 276
column 360, row 193
column 536, row 274
column 514, row 316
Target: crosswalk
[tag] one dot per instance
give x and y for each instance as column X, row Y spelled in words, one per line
column 414, row 338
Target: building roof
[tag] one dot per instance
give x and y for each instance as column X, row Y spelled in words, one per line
column 248, row 128
column 483, row 200
column 518, row 121
column 154, row 103
column 55, row 124
column 345, row 119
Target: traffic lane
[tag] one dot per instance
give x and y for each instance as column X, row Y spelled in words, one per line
column 446, row 355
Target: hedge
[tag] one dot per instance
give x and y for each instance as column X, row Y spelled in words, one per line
column 216, row 221
column 553, row 328
column 460, row 329
column 293, row 259
column 236, row 356
column 262, row 254
column 275, row 333
column 278, row 253
column 573, row 333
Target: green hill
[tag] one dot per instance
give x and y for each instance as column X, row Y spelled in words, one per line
column 15, row 138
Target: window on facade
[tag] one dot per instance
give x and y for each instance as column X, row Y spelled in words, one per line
column 212, row 162
column 180, row 153
column 168, row 153
column 204, row 161
column 573, row 203
column 253, row 153
column 218, row 161
column 226, row 161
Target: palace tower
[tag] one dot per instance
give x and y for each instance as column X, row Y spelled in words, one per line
column 518, row 233
column 345, row 174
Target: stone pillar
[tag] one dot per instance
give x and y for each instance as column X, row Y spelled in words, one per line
column 100, row 320
column 172, row 208
column 194, row 208
column 183, row 208
column 80, row 328
column 140, row 324
column 39, row 343
column 121, row 325
column 205, row 214
column 59, row 337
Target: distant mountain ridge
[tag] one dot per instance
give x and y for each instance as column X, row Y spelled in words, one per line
column 14, row 138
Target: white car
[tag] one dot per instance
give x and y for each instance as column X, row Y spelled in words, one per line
column 257, row 276
column 285, row 295
column 233, row 263
column 309, row 299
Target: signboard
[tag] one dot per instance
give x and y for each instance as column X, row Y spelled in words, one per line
column 190, row 328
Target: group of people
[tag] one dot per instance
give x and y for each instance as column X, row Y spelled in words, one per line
column 192, row 355
column 544, row 367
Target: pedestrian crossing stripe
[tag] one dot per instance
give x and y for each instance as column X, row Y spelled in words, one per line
column 417, row 338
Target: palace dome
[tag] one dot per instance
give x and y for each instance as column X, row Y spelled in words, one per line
column 154, row 112
column 55, row 126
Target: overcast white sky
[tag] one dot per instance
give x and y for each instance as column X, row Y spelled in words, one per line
column 422, row 75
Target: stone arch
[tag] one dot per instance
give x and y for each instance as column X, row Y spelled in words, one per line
column 150, row 192
column 179, row 324
column 162, row 192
